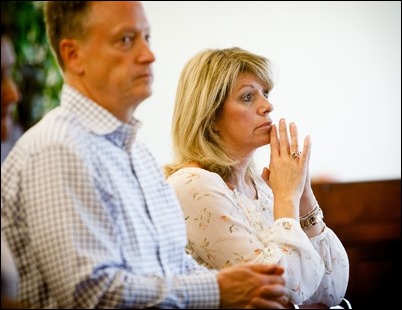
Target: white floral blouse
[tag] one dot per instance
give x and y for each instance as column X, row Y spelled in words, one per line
column 225, row 227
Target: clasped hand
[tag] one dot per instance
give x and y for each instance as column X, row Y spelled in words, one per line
column 288, row 174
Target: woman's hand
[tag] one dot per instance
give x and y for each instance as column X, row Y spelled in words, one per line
column 307, row 200
column 288, row 171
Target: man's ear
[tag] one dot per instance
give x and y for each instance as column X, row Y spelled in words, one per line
column 70, row 52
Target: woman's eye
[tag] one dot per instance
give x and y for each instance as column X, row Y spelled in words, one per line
column 266, row 94
column 247, row 97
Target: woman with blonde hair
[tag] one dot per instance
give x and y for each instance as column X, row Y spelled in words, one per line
column 233, row 213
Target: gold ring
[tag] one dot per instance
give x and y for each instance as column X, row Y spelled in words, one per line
column 295, row 155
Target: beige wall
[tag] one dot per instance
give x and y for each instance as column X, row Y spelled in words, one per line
column 338, row 76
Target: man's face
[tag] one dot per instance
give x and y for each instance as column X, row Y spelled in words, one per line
column 9, row 91
column 116, row 57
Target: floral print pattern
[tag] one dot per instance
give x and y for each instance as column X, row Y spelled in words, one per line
column 225, row 228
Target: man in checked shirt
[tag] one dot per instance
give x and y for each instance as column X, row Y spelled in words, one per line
column 85, row 209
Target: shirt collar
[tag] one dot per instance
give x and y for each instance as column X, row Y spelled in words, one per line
column 99, row 120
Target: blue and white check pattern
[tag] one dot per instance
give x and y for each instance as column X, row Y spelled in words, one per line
column 90, row 220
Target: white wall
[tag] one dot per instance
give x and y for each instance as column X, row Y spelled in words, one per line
column 338, row 75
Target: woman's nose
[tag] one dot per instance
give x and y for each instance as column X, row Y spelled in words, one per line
column 266, row 107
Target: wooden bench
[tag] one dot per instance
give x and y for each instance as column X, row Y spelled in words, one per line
column 366, row 216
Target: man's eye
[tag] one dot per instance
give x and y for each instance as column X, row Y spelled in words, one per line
column 148, row 38
column 127, row 39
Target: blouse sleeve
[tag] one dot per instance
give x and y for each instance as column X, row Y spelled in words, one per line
column 223, row 232
column 336, row 276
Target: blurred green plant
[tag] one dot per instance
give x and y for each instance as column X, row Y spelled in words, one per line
column 36, row 71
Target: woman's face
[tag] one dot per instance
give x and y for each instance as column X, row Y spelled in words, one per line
column 245, row 124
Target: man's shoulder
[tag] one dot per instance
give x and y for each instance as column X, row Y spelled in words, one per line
column 57, row 128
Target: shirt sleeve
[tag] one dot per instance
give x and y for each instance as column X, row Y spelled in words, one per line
column 75, row 240
column 335, row 280
column 223, row 231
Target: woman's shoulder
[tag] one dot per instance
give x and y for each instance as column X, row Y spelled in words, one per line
column 195, row 176
column 193, row 172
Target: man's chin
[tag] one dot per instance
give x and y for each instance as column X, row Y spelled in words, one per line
column 146, row 92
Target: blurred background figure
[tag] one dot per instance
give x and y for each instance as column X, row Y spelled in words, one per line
column 10, row 130
column 28, row 63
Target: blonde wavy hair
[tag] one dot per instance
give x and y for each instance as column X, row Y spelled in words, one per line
column 204, row 84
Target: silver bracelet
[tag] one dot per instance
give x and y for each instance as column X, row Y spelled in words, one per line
column 313, row 211
column 311, row 218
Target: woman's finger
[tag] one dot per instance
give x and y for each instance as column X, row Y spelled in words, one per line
column 284, row 147
column 274, row 143
column 294, row 142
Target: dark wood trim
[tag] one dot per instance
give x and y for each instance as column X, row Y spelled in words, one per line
column 366, row 216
